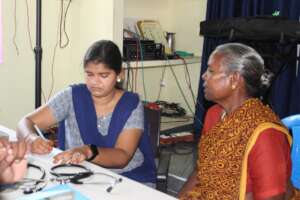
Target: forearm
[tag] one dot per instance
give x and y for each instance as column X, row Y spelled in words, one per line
column 35, row 143
column 25, row 129
column 189, row 184
column 111, row 157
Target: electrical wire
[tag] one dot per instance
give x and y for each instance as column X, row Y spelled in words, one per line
column 62, row 27
column 15, row 29
column 62, row 21
column 127, row 76
column 161, row 82
column 182, row 93
column 180, row 89
column 188, row 80
column 28, row 26
column 143, row 71
column 136, row 68
column 58, row 37
column 129, row 80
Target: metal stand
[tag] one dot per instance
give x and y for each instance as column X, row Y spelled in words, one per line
column 38, row 54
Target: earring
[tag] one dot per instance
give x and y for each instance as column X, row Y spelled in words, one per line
column 118, row 79
column 233, row 87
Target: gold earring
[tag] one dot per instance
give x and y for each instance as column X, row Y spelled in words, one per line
column 233, row 87
column 118, row 79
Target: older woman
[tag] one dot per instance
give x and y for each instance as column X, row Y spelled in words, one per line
column 244, row 151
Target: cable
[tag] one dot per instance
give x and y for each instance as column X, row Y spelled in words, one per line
column 28, row 26
column 15, row 30
column 161, row 81
column 143, row 74
column 63, row 19
column 58, row 42
column 180, row 89
column 129, row 79
column 188, row 80
column 142, row 66
column 136, row 68
column 52, row 66
column 170, row 109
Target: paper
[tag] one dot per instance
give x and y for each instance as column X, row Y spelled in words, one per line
column 58, row 192
column 11, row 133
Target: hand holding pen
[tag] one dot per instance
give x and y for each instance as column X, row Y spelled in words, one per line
column 41, row 145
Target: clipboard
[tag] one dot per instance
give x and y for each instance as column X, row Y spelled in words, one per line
column 151, row 29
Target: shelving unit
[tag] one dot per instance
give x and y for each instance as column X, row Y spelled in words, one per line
column 162, row 63
column 159, row 79
column 181, row 17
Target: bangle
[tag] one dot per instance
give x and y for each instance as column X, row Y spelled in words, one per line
column 94, row 150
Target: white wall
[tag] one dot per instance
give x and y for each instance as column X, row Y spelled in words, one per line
column 87, row 21
column 185, row 22
column 182, row 17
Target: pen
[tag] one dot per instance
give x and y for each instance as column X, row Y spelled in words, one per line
column 39, row 131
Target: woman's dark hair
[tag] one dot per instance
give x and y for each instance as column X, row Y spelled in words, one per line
column 106, row 52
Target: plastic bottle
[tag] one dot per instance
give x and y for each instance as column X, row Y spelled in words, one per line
column 296, row 157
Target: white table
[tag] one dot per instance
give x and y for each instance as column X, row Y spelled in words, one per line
column 126, row 190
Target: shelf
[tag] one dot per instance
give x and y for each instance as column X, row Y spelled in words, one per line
column 160, row 63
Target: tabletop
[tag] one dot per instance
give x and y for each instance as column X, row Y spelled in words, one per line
column 94, row 188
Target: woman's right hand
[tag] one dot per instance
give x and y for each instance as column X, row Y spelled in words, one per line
column 13, row 163
column 41, row 146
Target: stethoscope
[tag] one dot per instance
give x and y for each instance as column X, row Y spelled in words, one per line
column 31, row 185
column 82, row 173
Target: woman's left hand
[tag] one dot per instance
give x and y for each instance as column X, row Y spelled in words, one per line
column 73, row 156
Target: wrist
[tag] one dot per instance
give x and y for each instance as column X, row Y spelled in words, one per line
column 86, row 151
column 31, row 137
column 92, row 152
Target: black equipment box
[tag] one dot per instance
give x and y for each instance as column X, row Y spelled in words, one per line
column 150, row 50
column 259, row 28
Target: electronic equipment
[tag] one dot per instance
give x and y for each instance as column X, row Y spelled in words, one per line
column 258, row 28
column 152, row 30
column 135, row 49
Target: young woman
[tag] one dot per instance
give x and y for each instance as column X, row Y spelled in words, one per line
column 97, row 121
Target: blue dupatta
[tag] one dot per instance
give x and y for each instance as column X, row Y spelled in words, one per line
column 87, row 123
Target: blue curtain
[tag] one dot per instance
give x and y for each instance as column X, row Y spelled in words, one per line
column 283, row 94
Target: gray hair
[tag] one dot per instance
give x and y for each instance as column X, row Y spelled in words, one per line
column 245, row 60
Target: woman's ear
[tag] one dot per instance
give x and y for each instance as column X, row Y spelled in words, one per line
column 235, row 80
column 122, row 74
